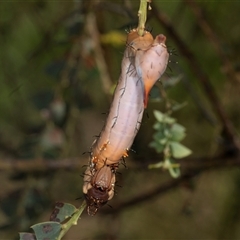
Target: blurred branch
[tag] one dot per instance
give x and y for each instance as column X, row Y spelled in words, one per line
column 6, row 148
column 158, row 191
column 42, row 165
column 214, row 39
column 121, row 9
column 191, row 168
column 201, row 76
column 47, row 34
column 198, row 101
column 91, row 26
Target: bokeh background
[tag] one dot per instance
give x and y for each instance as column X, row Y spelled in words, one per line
column 59, row 64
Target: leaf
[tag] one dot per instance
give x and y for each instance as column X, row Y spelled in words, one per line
column 166, row 132
column 158, row 147
column 174, row 169
column 47, row 230
column 115, row 38
column 164, row 118
column 178, row 150
column 62, row 211
column 158, row 126
column 158, row 136
column 163, row 141
column 177, row 132
column 158, row 115
column 169, row 120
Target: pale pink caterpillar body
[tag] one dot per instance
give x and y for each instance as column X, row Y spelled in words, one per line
column 144, row 61
column 124, row 118
column 151, row 62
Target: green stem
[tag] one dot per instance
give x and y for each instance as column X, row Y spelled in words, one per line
column 142, row 15
column 72, row 221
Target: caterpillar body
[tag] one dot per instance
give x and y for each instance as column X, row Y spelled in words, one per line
column 150, row 61
column 124, row 118
column 145, row 60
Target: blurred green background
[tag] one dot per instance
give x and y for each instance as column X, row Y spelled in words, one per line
column 59, row 63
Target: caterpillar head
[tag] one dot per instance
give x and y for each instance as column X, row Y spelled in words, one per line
column 96, row 198
column 98, row 187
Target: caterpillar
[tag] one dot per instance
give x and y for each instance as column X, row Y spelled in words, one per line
column 145, row 60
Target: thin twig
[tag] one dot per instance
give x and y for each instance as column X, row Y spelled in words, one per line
column 40, row 165
column 190, row 173
column 202, row 77
column 75, row 164
column 142, row 14
column 213, row 39
column 100, row 60
column 207, row 114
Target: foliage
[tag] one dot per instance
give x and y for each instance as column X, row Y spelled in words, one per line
column 48, row 66
column 63, row 217
column 167, row 137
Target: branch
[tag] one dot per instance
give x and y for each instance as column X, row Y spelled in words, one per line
column 91, row 26
column 40, row 165
column 142, row 14
column 202, row 77
column 190, row 171
column 213, row 39
column 75, row 164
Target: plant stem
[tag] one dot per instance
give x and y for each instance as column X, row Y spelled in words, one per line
column 142, row 15
column 72, row 221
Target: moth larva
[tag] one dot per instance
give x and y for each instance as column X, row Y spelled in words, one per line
column 145, row 60
column 124, row 117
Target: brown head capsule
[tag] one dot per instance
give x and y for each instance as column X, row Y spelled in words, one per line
column 98, row 188
column 139, row 42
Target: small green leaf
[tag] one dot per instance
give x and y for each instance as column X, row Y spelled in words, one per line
column 158, row 115
column 158, row 147
column 158, row 126
column 166, row 132
column 177, row 132
column 169, row 120
column 62, row 211
column 178, row 127
column 178, row 150
column 163, row 118
column 47, row 230
column 158, row 136
column 163, row 141
column 114, row 38
column 174, row 169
